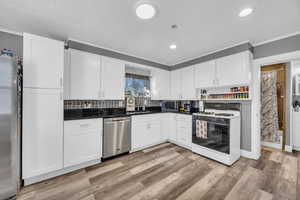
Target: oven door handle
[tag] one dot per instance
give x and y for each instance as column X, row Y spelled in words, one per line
column 221, row 124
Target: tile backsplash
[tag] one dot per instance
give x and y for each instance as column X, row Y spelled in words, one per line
column 80, row 104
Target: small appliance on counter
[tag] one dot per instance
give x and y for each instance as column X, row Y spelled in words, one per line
column 201, row 106
column 170, row 106
column 130, row 104
column 187, row 107
column 216, row 135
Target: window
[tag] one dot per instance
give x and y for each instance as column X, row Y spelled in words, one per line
column 137, row 85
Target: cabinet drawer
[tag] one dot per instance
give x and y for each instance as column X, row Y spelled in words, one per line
column 83, row 125
column 146, row 118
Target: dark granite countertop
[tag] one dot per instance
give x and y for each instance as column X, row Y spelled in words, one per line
column 91, row 113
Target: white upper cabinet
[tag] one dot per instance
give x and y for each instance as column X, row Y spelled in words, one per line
column 112, row 79
column 93, row 77
column 188, row 83
column 176, row 85
column 85, row 73
column 43, row 62
column 226, row 71
column 205, row 74
column 182, row 84
column 233, row 69
column 160, row 84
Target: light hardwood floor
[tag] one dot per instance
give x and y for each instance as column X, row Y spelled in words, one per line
column 169, row 172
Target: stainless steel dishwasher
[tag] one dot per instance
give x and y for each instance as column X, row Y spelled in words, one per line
column 116, row 136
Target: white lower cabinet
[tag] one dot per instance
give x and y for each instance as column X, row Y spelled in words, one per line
column 295, row 131
column 42, row 137
column 149, row 130
column 165, row 126
column 145, row 130
column 184, row 130
column 82, row 141
column 172, row 128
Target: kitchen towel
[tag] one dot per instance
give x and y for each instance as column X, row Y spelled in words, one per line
column 201, row 129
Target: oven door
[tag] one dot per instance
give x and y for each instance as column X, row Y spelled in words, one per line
column 216, row 136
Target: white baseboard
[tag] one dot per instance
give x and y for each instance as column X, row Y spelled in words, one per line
column 271, row 144
column 36, row 179
column 249, row 154
column 147, row 146
column 288, row 148
column 296, row 148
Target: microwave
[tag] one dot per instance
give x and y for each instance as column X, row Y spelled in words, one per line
column 170, row 106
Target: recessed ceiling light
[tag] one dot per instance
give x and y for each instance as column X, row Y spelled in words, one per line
column 173, row 46
column 245, row 12
column 174, row 26
column 145, row 10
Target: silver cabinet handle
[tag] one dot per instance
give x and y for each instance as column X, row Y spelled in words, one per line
column 84, row 125
column 61, row 82
column 148, row 126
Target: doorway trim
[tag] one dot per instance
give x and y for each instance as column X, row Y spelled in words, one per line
column 257, row 64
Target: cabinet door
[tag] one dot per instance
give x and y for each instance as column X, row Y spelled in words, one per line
column 182, row 136
column 139, row 135
column 82, row 133
column 296, row 128
column 172, row 131
column 85, row 71
column 154, row 132
column 165, row 126
column 176, row 83
column 188, row 83
column 67, row 73
column 43, row 62
column 112, row 79
column 42, row 131
column 160, row 84
column 205, row 74
column 233, row 70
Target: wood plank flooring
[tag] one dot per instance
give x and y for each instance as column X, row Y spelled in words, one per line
column 169, row 172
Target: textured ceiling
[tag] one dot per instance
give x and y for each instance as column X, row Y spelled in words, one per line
column 203, row 25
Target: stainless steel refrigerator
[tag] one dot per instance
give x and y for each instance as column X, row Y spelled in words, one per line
column 10, row 126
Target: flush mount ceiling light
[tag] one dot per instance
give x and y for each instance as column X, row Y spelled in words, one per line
column 173, row 46
column 245, row 12
column 145, row 10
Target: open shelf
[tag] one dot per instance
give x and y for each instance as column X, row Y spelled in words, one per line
column 227, row 99
column 241, row 93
